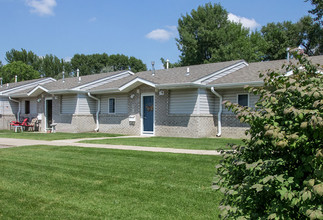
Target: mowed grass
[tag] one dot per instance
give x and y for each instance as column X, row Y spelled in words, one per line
column 52, row 136
column 49, row 182
column 172, row 142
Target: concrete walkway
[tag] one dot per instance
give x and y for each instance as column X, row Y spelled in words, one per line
column 11, row 142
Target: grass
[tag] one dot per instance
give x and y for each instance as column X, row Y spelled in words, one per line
column 172, row 142
column 40, row 182
column 51, row 136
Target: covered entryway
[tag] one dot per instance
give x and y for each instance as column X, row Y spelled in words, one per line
column 147, row 112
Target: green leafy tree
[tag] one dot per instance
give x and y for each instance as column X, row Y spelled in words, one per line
column 279, row 37
column 311, row 36
column 206, row 35
column 51, row 66
column 318, row 10
column 136, row 65
column 27, row 57
column 278, row 174
column 19, row 69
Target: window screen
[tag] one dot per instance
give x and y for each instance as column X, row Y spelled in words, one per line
column 112, row 105
column 243, row 100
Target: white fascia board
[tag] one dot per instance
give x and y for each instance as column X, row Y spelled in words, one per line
column 236, row 85
column 102, row 80
column 180, row 86
column 104, row 91
column 137, row 80
column 199, row 81
column 28, row 85
column 35, row 89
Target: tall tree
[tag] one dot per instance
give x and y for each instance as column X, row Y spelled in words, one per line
column 19, row 69
column 136, row 65
column 206, row 35
column 27, row 57
column 318, row 10
column 51, row 66
column 279, row 37
column 311, row 36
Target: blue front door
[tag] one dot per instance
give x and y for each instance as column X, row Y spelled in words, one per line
column 148, row 113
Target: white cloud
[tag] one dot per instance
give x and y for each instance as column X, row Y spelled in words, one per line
column 246, row 22
column 162, row 34
column 42, row 7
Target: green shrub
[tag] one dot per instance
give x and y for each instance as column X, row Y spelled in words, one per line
column 278, row 173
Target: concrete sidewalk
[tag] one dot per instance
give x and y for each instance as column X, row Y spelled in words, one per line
column 11, row 142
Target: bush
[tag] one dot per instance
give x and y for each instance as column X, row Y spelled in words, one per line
column 278, row 173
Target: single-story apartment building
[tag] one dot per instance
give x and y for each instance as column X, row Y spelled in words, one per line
column 181, row 102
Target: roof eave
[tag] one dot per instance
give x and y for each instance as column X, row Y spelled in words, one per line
column 236, row 85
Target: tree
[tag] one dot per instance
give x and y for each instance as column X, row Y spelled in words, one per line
column 19, row 69
column 279, row 37
column 278, row 174
column 51, row 66
column 318, row 10
column 311, row 36
column 206, row 35
column 27, row 57
column 136, row 65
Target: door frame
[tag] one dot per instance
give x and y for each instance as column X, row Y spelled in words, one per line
column 142, row 114
column 45, row 115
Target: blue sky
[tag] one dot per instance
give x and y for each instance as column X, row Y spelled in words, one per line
column 145, row 29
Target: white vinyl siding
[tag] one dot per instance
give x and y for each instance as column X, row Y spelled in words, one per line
column 232, row 96
column 183, row 101
column 121, row 104
column 68, row 104
column 32, row 106
column 206, row 102
column 86, row 105
column 8, row 107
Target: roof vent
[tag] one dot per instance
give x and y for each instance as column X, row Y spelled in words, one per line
column 63, row 76
column 287, row 50
column 153, row 67
column 187, row 71
column 16, row 78
column 77, row 72
column 80, row 79
column 167, row 64
column 1, row 81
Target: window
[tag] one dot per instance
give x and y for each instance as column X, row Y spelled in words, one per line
column 27, row 107
column 112, row 105
column 243, row 99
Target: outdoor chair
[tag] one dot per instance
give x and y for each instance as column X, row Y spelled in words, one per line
column 27, row 125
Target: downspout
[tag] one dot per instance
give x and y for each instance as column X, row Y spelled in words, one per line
column 219, row 113
column 97, row 112
column 18, row 113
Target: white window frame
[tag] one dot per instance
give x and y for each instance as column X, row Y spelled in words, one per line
column 248, row 95
column 142, row 113
column 115, row 105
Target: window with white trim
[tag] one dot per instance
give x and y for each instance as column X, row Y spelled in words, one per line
column 112, row 105
column 243, row 99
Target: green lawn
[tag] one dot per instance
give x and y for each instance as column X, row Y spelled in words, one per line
column 40, row 182
column 52, row 136
column 172, row 142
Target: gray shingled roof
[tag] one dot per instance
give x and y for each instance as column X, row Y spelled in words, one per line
column 72, row 82
column 21, row 83
column 251, row 73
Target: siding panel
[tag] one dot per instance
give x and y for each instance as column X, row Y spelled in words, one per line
column 207, row 102
column 68, row 104
column 86, row 105
column 183, row 101
column 121, row 103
